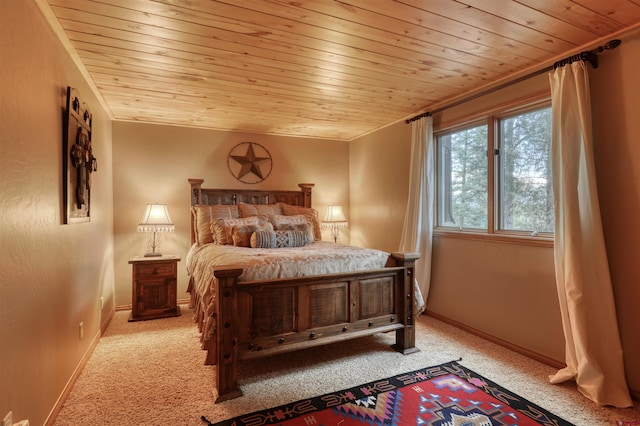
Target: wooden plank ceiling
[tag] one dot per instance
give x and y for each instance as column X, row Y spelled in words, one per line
column 317, row 68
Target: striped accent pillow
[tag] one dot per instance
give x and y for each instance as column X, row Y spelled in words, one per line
column 204, row 215
column 263, row 238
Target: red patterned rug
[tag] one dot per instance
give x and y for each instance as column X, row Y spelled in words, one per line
column 444, row 395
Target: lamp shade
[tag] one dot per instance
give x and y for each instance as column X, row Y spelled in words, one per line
column 156, row 219
column 334, row 219
column 335, row 216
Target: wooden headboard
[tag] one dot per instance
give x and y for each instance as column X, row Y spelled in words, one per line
column 208, row 196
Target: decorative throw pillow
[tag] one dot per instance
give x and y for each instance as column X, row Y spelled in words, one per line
column 241, row 235
column 263, row 238
column 290, row 239
column 203, row 215
column 295, row 223
column 312, row 214
column 222, row 228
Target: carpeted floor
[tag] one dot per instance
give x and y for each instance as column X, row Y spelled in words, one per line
column 152, row 373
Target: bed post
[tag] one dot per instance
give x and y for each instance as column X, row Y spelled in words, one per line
column 306, row 193
column 227, row 334
column 196, row 198
column 196, row 190
column 406, row 336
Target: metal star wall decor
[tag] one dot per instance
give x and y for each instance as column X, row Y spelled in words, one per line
column 249, row 162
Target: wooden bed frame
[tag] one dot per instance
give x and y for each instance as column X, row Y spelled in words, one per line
column 260, row 318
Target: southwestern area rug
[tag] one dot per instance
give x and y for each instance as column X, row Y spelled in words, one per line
column 445, row 395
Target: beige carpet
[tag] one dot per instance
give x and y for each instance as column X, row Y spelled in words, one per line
column 152, row 373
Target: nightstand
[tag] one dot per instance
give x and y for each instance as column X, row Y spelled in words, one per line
column 154, row 287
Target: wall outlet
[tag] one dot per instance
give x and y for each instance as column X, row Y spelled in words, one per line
column 8, row 419
column 81, row 329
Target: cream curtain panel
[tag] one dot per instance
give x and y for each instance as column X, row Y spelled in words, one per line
column 593, row 349
column 417, row 233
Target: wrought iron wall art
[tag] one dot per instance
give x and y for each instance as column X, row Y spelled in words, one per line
column 249, row 162
column 78, row 160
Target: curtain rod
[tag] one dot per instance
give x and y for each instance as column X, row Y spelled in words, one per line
column 588, row 55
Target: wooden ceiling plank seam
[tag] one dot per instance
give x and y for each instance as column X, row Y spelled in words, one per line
column 216, row 116
column 281, row 106
column 131, row 77
column 417, row 75
column 489, row 24
column 370, row 58
column 437, row 24
column 229, row 100
column 626, row 12
column 328, row 130
column 84, row 33
column 528, row 17
column 209, row 74
column 215, row 71
column 576, row 14
column 435, row 41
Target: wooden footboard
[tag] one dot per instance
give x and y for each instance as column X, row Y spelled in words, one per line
column 259, row 318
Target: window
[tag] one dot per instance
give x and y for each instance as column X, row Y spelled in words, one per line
column 507, row 192
column 462, row 165
column 524, row 173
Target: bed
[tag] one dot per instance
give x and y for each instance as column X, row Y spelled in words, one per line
column 246, row 307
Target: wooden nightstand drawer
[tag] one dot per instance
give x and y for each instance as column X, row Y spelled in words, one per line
column 155, row 269
column 154, row 287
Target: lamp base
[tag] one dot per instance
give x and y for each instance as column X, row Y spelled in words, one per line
column 154, row 254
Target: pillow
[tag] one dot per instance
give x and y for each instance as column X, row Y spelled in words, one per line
column 263, row 238
column 222, row 228
column 241, row 235
column 290, row 239
column 248, row 210
column 295, row 223
column 312, row 214
column 202, row 216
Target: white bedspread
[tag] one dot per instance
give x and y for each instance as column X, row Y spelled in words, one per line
column 319, row 258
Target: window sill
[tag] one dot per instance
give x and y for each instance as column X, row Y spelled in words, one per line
column 503, row 238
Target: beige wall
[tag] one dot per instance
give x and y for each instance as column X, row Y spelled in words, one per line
column 53, row 275
column 379, row 176
column 152, row 164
